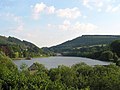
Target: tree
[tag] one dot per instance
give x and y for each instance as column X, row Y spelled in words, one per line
column 106, row 56
column 23, row 66
column 118, row 63
column 115, row 57
column 115, row 46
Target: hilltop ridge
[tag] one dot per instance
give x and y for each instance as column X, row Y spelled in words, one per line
column 85, row 40
column 16, row 48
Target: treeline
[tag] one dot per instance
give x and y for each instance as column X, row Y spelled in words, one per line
column 77, row 77
column 109, row 52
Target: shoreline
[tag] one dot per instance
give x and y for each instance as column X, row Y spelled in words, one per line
column 31, row 57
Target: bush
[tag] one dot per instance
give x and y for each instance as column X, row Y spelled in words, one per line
column 106, row 56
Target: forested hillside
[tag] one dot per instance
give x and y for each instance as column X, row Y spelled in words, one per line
column 85, row 40
column 15, row 48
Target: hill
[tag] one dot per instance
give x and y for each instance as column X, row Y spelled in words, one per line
column 85, row 40
column 16, row 48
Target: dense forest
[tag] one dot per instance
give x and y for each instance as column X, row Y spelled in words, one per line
column 84, row 41
column 77, row 77
column 15, row 48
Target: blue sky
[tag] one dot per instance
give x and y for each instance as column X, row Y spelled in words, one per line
column 51, row 22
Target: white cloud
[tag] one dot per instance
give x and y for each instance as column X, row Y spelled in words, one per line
column 102, row 5
column 41, row 7
column 71, row 13
column 83, row 26
column 65, row 26
column 93, row 4
column 86, row 4
column 66, row 22
column 109, row 8
column 10, row 16
column 112, row 9
column 14, row 20
column 77, row 27
column 99, row 10
column 51, row 10
column 116, row 9
column 49, row 25
column 84, row 17
column 38, row 8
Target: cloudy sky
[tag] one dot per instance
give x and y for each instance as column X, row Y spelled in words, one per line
column 51, row 22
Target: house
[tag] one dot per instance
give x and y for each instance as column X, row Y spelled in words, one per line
column 34, row 66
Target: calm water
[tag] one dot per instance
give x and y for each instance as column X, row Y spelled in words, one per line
column 52, row 62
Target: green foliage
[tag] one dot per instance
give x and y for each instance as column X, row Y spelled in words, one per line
column 115, row 46
column 23, row 66
column 41, row 69
column 106, row 56
column 115, row 57
column 84, row 40
column 77, row 77
column 6, row 61
column 118, row 62
column 15, row 48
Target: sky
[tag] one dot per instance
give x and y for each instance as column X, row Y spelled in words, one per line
column 50, row 22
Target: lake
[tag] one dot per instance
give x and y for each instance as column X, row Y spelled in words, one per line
column 52, row 62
